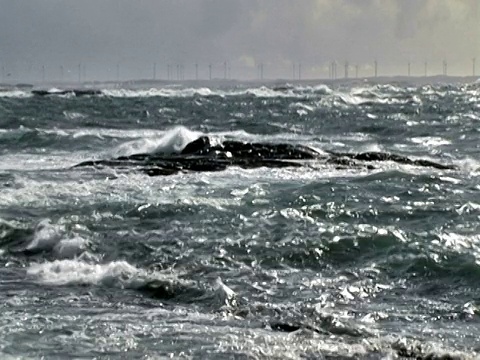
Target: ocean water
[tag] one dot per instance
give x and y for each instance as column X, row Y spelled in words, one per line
column 312, row 262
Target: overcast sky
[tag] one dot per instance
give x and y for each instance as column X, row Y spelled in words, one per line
column 99, row 34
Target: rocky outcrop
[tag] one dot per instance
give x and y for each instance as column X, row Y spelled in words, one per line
column 75, row 92
column 201, row 155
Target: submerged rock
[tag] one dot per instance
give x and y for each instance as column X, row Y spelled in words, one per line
column 173, row 290
column 201, row 155
column 415, row 351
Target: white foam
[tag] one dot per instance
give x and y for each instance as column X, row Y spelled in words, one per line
column 265, row 92
column 349, row 99
column 53, row 237
column 70, row 247
column 15, row 94
column 175, row 140
column 31, row 162
column 100, row 132
column 72, row 115
column 466, row 244
column 223, row 295
column 55, row 90
column 302, row 106
column 172, row 141
column 468, row 208
column 162, row 92
column 46, row 236
column 322, row 89
column 67, row 272
column 119, row 274
column 262, row 92
column 430, row 141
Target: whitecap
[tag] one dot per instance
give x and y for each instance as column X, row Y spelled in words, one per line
column 170, row 142
column 67, row 272
column 53, row 237
column 116, row 274
column 70, row 247
column 46, row 236
column 161, row 92
column 430, row 141
column 15, row 94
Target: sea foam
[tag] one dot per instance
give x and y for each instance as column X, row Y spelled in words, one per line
column 171, row 142
column 67, row 272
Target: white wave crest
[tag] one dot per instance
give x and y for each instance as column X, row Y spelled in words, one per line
column 68, row 272
column 15, row 94
column 117, row 274
column 46, row 236
column 431, row 141
column 53, row 237
column 173, row 141
column 162, row 92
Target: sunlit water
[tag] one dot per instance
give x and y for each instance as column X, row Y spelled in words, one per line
column 294, row 263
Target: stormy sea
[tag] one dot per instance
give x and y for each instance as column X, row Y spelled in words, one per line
column 335, row 220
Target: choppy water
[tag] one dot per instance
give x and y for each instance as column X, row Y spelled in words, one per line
column 302, row 263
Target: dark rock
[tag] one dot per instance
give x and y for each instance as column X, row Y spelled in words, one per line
column 270, row 163
column 172, row 290
column 41, row 92
column 76, row 92
column 269, row 151
column 198, row 147
column 200, row 155
column 157, row 171
column 282, row 88
column 85, row 92
column 435, row 165
column 285, row 327
column 291, row 327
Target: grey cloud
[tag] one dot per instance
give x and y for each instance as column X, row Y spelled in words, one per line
column 134, row 34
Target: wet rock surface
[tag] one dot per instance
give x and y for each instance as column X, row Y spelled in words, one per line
column 201, row 155
column 75, row 92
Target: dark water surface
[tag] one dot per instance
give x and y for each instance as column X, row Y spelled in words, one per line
column 313, row 262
